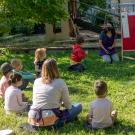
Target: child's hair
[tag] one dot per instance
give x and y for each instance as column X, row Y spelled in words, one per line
column 80, row 39
column 14, row 78
column 49, row 71
column 5, row 68
column 40, row 53
column 100, row 87
column 16, row 62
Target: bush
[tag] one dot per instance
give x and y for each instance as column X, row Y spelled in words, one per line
column 21, row 29
column 4, row 29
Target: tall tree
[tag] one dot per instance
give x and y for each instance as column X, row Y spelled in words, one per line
column 100, row 3
column 49, row 11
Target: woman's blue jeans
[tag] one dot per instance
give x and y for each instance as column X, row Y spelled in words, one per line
column 73, row 113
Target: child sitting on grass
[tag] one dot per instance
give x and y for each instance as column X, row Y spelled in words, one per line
column 101, row 114
column 77, row 55
column 40, row 57
column 6, row 70
column 13, row 95
column 26, row 76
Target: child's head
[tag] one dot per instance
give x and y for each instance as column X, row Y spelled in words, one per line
column 80, row 39
column 15, row 79
column 49, row 71
column 40, row 54
column 16, row 64
column 6, row 69
column 100, row 88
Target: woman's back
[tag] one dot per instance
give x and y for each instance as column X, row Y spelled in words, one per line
column 49, row 96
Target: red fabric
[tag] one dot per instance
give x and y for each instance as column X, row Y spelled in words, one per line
column 77, row 53
column 129, row 43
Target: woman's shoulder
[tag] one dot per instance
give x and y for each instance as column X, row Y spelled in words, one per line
column 59, row 81
column 38, row 80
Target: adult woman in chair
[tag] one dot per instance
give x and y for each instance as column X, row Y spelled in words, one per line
column 50, row 93
column 107, row 42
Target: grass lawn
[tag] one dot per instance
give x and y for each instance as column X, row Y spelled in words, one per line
column 120, row 78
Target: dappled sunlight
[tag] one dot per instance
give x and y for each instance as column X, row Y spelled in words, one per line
column 120, row 78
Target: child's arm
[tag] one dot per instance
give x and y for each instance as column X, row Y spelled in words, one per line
column 19, row 99
column 101, row 36
column 37, row 68
column 89, row 116
column 113, row 113
column 80, row 53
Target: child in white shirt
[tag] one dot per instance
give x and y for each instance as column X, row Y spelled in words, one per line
column 101, row 114
column 13, row 95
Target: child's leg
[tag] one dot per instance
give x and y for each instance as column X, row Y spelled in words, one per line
column 73, row 62
column 114, row 115
column 106, row 58
column 115, row 57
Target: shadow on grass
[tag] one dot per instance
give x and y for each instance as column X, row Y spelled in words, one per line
column 96, row 68
column 117, row 129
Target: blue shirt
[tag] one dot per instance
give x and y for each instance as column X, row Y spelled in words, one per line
column 106, row 42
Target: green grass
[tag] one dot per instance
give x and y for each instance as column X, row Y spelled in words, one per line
column 120, row 78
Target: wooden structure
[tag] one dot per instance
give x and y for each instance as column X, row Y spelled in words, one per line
column 65, row 28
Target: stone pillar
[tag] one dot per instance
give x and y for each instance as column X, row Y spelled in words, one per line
column 49, row 32
column 63, row 35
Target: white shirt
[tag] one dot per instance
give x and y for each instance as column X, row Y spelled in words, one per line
column 49, row 96
column 100, row 111
column 13, row 99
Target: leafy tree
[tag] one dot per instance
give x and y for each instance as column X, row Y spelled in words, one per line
column 49, row 11
column 85, row 4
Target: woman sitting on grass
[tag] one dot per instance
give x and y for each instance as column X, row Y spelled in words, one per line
column 50, row 93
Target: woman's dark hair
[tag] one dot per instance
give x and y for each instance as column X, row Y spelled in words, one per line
column 14, row 77
column 110, row 28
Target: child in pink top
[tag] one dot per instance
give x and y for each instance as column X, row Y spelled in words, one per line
column 6, row 70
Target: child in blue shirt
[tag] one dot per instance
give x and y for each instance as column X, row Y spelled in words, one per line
column 26, row 76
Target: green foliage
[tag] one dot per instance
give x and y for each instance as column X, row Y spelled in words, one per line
column 118, row 76
column 101, row 17
column 4, row 28
column 37, row 10
column 24, row 28
column 85, row 4
column 4, row 54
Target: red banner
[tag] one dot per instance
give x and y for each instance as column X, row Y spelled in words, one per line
column 129, row 42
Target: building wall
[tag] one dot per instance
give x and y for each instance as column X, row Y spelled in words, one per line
column 127, row 1
column 123, row 1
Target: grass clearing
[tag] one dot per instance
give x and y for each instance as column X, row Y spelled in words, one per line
column 120, row 78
